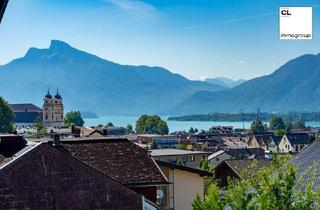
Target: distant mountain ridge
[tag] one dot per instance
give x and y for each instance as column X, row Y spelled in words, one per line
column 295, row 86
column 226, row 82
column 89, row 83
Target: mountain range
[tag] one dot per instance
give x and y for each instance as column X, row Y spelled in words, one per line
column 226, row 82
column 92, row 84
column 89, row 83
column 295, row 86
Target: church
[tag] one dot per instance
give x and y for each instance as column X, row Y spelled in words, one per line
column 51, row 114
column 53, row 111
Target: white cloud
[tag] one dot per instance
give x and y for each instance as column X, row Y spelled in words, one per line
column 135, row 6
column 241, row 62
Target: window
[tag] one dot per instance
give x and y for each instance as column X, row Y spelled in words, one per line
column 192, row 158
column 46, row 117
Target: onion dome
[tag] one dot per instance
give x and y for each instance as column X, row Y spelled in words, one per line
column 58, row 96
column 48, row 95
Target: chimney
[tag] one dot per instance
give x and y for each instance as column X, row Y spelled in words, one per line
column 56, row 140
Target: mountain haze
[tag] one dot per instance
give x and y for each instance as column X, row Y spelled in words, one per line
column 295, row 86
column 89, row 83
column 226, row 82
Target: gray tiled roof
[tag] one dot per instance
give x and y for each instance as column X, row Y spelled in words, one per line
column 308, row 157
column 298, row 138
column 23, row 107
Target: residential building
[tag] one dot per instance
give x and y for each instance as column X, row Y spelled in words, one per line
column 185, row 157
column 237, row 169
column 238, row 142
column 185, row 184
column 253, row 142
column 111, row 131
column 82, row 131
column 53, row 111
column 119, row 159
column 44, row 176
column 246, row 153
column 26, row 115
column 221, row 130
column 262, row 139
column 273, row 143
column 218, row 157
column 161, row 141
column 294, row 142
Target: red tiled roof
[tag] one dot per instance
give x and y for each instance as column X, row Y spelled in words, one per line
column 118, row 158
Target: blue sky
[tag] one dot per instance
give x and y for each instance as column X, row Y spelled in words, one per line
column 195, row 38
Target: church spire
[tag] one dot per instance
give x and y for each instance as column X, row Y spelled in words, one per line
column 58, row 96
column 48, row 95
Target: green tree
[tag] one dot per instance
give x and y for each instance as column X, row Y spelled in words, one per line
column 276, row 123
column 6, row 117
column 275, row 188
column 208, row 180
column 288, row 125
column 73, row 118
column 41, row 131
column 257, row 126
column 191, row 130
column 299, row 124
column 162, row 128
column 109, row 124
column 129, row 129
column 152, row 125
column 281, row 132
column 180, row 162
column 182, row 147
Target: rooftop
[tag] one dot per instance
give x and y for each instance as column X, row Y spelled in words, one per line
column 168, row 152
column 116, row 157
column 216, row 154
column 242, row 166
column 30, row 181
column 155, row 135
column 298, row 138
column 184, row 168
column 308, row 157
column 25, row 107
column 11, row 147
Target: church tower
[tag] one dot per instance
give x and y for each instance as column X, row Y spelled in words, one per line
column 53, row 110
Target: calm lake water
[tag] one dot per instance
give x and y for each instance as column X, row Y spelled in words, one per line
column 123, row 121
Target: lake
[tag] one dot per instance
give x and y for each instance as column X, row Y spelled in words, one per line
column 123, row 121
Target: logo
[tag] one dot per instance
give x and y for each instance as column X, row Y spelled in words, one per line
column 295, row 23
column 285, row 12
